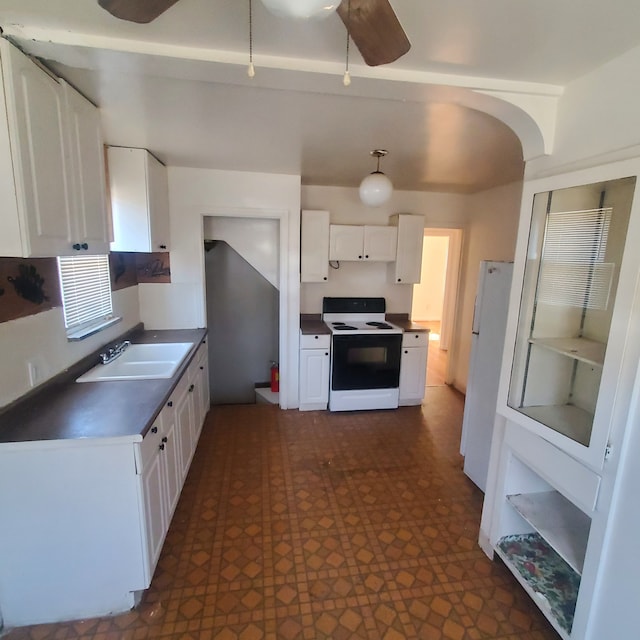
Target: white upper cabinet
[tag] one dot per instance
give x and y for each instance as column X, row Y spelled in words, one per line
column 314, row 246
column 357, row 242
column 139, row 200
column 40, row 139
column 93, row 222
column 408, row 261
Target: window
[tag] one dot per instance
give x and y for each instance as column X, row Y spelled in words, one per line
column 573, row 269
column 85, row 284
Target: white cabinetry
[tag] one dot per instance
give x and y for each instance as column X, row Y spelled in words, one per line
column 51, row 164
column 407, row 268
column 413, row 367
column 139, row 200
column 563, row 466
column 85, row 520
column 368, row 242
column 314, row 371
column 314, row 246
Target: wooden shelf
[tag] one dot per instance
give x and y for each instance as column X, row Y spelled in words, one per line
column 582, row 349
column 558, row 521
column 571, row 421
column 544, row 575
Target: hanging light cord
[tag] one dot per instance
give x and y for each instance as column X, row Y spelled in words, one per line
column 251, row 72
column 346, row 80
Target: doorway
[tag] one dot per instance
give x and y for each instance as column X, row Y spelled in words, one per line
column 434, row 298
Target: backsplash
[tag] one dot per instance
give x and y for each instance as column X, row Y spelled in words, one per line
column 29, row 286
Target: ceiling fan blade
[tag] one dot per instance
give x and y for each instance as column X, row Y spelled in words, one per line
column 375, row 30
column 141, row 11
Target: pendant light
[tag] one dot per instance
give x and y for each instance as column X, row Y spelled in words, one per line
column 376, row 188
column 301, row 9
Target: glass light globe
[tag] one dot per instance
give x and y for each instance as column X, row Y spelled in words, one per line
column 375, row 189
column 301, row 9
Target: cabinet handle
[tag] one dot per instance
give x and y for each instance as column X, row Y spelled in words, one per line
column 359, row 257
column 316, row 337
column 170, row 403
column 326, row 353
column 366, row 257
column 192, row 387
column 154, row 429
column 416, row 336
column 201, row 368
column 85, row 246
column 76, row 246
column 163, row 246
column 161, row 447
column 165, row 439
column 324, row 278
column 399, row 279
column 406, row 351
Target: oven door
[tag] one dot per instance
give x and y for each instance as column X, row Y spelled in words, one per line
column 365, row 361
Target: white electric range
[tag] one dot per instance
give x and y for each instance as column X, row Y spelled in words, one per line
column 365, row 354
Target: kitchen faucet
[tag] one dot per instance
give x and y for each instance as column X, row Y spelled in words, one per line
column 117, row 350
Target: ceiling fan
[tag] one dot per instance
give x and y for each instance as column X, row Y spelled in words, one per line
column 372, row 24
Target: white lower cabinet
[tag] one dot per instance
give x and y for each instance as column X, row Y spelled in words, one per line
column 84, row 521
column 413, row 367
column 314, row 372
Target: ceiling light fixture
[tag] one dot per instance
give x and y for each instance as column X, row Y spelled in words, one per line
column 301, row 9
column 376, row 188
column 251, row 71
column 346, row 80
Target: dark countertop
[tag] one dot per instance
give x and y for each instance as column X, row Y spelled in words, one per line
column 402, row 320
column 312, row 324
column 64, row 409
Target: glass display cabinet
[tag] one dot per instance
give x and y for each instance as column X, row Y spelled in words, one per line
column 574, row 253
column 568, row 400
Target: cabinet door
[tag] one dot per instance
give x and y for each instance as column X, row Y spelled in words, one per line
column 173, row 469
column 184, row 420
column 314, row 379
column 346, row 242
column 158, row 195
column 92, row 223
column 380, row 243
column 314, row 246
column 408, row 265
column 154, row 510
column 413, row 374
column 41, row 160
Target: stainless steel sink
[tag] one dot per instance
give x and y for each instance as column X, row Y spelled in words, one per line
column 141, row 362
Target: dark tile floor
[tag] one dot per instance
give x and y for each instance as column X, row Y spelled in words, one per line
column 318, row 525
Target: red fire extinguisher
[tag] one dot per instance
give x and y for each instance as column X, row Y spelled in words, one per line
column 275, row 377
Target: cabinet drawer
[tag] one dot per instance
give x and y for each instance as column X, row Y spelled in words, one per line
column 315, row 341
column 415, row 338
column 149, row 446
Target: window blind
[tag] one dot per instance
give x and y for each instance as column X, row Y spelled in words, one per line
column 85, row 283
column 573, row 270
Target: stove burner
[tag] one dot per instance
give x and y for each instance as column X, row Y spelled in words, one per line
column 343, row 327
column 380, row 325
column 335, row 324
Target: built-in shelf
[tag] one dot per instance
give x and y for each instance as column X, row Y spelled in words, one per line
column 582, row 349
column 558, row 521
column 571, row 421
column 544, row 575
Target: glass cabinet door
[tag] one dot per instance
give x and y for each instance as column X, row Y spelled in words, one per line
column 575, row 248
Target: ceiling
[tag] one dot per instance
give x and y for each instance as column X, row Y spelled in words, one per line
column 178, row 86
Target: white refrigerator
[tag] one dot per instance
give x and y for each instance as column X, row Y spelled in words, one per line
column 487, row 342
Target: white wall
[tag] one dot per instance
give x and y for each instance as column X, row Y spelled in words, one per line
column 490, row 235
column 428, row 296
column 42, row 339
column 597, row 119
column 195, row 193
column 371, row 279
